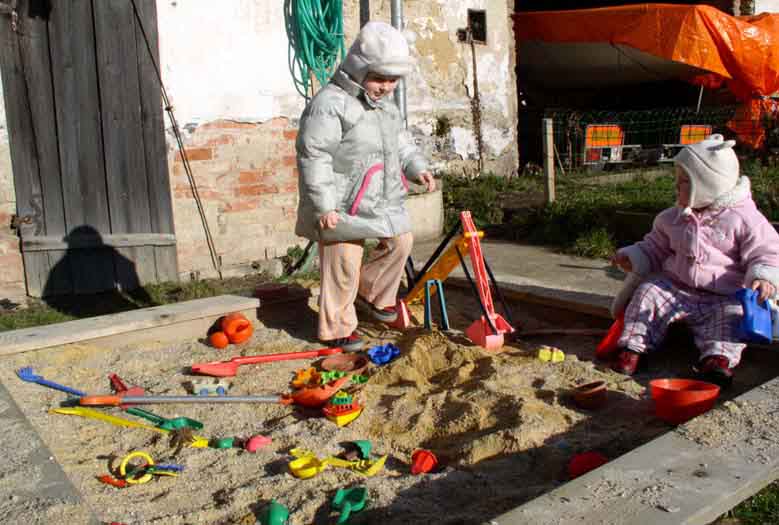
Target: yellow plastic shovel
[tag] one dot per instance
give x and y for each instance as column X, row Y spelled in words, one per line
column 90, row 413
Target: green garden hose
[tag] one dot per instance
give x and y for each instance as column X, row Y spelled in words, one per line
column 316, row 41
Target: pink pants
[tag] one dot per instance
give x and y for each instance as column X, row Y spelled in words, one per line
column 658, row 302
column 343, row 275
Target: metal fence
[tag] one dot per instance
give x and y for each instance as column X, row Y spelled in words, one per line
column 612, row 140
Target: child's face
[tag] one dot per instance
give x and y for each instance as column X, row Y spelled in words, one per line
column 682, row 187
column 377, row 86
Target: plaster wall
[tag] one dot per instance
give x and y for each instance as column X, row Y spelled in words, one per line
column 227, row 77
column 766, row 6
column 441, row 91
column 226, row 73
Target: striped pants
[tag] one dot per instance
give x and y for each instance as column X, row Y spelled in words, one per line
column 658, row 302
column 343, row 274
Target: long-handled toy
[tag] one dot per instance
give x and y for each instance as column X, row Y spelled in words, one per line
column 164, row 423
column 27, row 374
column 308, row 397
column 199, row 442
column 230, row 368
column 157, row 400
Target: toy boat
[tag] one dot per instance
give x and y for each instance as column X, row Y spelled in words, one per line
column 342, row 409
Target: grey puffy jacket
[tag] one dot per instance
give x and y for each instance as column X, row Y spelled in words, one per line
column 353, row 155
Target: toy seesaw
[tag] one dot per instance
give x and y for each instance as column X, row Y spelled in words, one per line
column 489, row 329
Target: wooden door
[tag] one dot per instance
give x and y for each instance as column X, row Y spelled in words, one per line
column 86, row 130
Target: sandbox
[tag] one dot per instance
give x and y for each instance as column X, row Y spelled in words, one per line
column 502, row 424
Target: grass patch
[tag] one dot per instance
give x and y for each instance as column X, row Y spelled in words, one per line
column 485, row 197
column 761, row 508
column 67, row 308
column 581, row 221
column 597, row 243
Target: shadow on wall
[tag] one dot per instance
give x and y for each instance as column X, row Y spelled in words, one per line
column 92, row 278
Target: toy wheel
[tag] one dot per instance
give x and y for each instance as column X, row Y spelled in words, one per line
column 220, row 390
column 203, row 392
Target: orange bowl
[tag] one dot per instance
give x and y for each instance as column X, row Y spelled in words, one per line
column 679, row 400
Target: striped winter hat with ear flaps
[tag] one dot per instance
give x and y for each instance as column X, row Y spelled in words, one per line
column 380, row 49
column 713, row 169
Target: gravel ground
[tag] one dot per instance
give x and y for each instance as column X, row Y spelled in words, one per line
column 502, row 423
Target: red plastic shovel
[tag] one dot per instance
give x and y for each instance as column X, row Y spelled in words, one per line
column 608, row 346
column 230, row 368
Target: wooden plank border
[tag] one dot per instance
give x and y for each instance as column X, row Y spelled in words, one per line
column 143, row 320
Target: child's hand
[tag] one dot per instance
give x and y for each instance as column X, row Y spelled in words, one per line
column 428, row 180
column 622, row 261
column 329, row 220
column 767, row 290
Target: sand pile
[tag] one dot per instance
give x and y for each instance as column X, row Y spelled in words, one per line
column 452, row 399
column 502, row 424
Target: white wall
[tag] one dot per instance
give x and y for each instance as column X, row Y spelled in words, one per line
column 3, row 126
column 226, row 60
column 766, row 6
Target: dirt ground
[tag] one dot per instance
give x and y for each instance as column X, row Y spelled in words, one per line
column 502, row 423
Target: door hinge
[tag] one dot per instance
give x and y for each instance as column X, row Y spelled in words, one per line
column 18, row 220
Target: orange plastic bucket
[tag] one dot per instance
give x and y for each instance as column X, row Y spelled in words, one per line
column 678, row 400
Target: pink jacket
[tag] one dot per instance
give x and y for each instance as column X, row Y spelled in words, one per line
column 721, row 249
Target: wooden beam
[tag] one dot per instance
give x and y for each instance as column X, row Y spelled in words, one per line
column 117, row 69
column 77, row 100
column 79, row 242
column 153, row 123
column 26, row 339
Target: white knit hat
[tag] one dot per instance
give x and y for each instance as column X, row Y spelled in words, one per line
column 713, row 169
column 380, row 49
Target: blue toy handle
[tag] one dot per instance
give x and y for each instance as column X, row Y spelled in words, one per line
column 61, row 388
column 756, row 324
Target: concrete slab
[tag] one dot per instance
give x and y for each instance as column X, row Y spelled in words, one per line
column 30, row 477
column 144, row 324
column 681, row 477
column 538, row 273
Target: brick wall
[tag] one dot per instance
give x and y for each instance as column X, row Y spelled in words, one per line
column 247, row 180
column 12, row 284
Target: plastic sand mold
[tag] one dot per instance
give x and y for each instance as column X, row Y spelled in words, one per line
column 342, row 409
column 551, row 354
column 307, row 464
column 307, row 377
column 383, row 354
column 348, row 501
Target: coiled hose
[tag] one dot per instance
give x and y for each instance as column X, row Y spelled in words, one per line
column 316, row 41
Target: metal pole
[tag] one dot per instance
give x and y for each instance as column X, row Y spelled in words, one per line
column 548, row 135
column 396, row 14
column 700, row 97
column 365, row 12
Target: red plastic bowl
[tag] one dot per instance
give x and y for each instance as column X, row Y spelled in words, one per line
column 583, row 463
column 679, row 400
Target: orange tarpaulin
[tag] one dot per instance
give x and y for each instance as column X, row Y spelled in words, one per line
column 744, row 50
column 741, row 51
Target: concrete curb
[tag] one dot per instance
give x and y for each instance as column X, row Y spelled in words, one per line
column 671, row 479
column 42, row 483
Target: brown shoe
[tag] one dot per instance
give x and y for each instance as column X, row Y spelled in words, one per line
column 626, row 362
column 715, row 369
column 352, row 343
